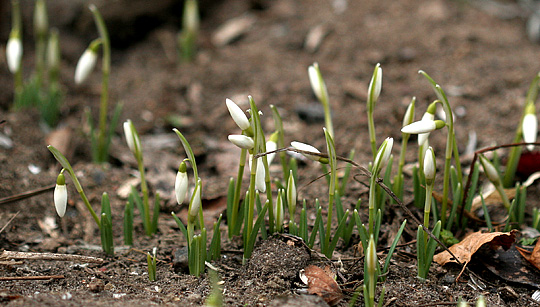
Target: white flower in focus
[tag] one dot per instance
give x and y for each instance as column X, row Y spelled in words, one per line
column 376, row 83
column 181, row 183
column 317, row 83
column 429, row 165
column 14, row 50
column 237, row 114
column 306, row 147
column 132, row 138
column 422, row 137
column 60, row 195
column 530, row 129
column 242, row 141
column 85, row 65
column 383, row 155
column 270, row 146
column 195, row 202
column 260, row 174
column 423, row 126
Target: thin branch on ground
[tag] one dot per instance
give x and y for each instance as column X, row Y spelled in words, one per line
column 44, row 277
column 8, row 255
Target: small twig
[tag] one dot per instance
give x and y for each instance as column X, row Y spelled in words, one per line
column 44, row 277
column 24, row 195
column 8, row 255
column 11, row 219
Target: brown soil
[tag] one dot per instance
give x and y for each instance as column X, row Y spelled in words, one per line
column 484, row 62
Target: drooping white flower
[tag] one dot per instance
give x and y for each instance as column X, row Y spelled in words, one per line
column 309, row 148
column 530, row 129
column 85, row 65
column 195, row 201
column 181, row 183
column 132, row 137
column 14, row 51
column 317, row 83
column 375, row 84
column 271, row 146
column 242, row 141
column 60, row 195
column 383, row 155
column 260, row 174
column 237, row 114
column 429, row 165
column 423, row 126
column 423, row 137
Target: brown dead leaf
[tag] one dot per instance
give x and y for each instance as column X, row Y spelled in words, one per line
column 534, row 256
column 321, row 283
column 468, row 246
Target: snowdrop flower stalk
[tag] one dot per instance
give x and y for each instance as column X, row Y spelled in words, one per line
column 451, row 146
column 370, row 275
column 429, row 173
column 134, row 144
column 530, row 126
column 383, row 155
column 60, row 194
column 374, row 90
column 319, row 89
column 398, row 179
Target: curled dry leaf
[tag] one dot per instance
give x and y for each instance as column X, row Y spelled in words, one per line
column 468, row 246
column 321, row 283
column 534, row 256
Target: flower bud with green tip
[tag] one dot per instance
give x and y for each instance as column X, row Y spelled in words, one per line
column 237, row 115
column 132, row 138
column 14, row 51
column 371, row 268
column 242, row 141
column 195, row 203
column 423, row 126
column 530, row 126
column 309, row 148
column 181, row 183
column 87, row 62
column 490, row 170
column 60, row 194
column 383, row 155
column 291, row 194
column 375, row 85
column 317, row 82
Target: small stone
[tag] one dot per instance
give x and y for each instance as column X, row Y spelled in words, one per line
column 181, row 262
column 96, row 285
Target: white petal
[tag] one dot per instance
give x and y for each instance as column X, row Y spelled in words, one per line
column 14, row 50
column 85, row 66
column 60, row 199
column 317, row 84
column 271, row 146
column 237, row 114
column 180, row 187
column 260, row 176
column 429, row 164
column 195, row 201
column 306, row 147
column 423, row 126
column 530, row 130
column 377, row 82
column 241, row 141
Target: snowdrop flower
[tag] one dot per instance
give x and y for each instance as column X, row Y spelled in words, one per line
column 317, row 83
column 383, row 155
column 260, row 174
column 195, row 202
column 14, row 50
column 306, row 147
column 132, row 137
column 429, row 166
column 423, row 126
column 181, row 183
column 271, row 145
column 375, row 85
column 86, row 63
column 530, row 126
column 242, row 141
column 237, row 115
column 60, row 195
column 490, row 170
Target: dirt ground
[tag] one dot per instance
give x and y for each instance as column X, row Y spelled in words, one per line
column 477, row 50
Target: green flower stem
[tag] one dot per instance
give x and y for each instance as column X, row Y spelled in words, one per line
column 371, row 201
column 238, row 188
column 427, row 207
column 371, row 128
column 331, row 189
column 105, row 69
column 278, row 123
column 144, row 190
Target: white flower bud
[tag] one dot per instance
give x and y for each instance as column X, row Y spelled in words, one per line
column 60, row 195
column 317, row 83
column 375, row 84
column 371, row 262
column 530, row 129
column 181, row 183
column 195, row 201
column 132, row 138
column 260, row 174
column 291, row 193
column 237, row 114
column 242, row 141
column 429, row 165
column 490, row 170
column 383, row 155
column 85, row 65
column 14, row 51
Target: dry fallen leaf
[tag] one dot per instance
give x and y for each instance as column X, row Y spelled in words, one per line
column 321, row 283
column 534, row 256
column 468, row 246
